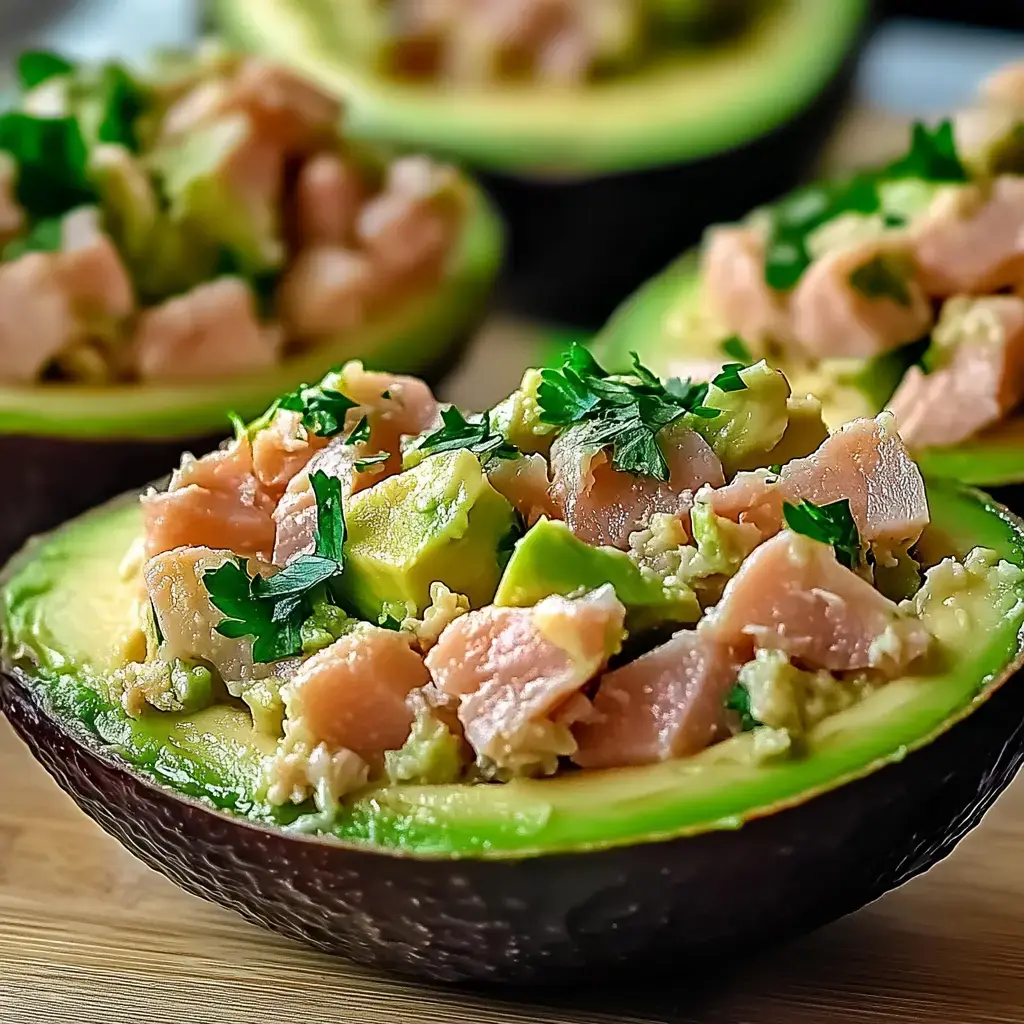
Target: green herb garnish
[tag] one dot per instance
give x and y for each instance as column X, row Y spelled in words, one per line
column 882, row 277
column 475, row 434
column 44, row 236
column 387, row 621
column 121, row 99
column 323, row 409
column 362, row 465
column 736, row 348
column 831, row 524
column 626, row 413
column 739, row 701
column 360, row 433
column 729, row 379
column 36, row 66
column 932, row 156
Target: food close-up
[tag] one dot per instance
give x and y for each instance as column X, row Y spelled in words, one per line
column 515, row 511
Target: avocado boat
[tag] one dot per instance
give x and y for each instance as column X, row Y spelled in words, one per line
column 358, row 677
column 189, row 240
column 898, row 288
column 635, row 161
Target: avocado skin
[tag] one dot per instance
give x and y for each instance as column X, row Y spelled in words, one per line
column 675, row 906
column 578, row 248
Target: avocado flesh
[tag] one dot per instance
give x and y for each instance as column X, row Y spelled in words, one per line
column 678, row 109
column 658, row 321
column 65, row 642
column 411, row 338
column 550, row 560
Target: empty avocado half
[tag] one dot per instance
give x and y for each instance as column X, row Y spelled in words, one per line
column 544, row 880
column 637, row 161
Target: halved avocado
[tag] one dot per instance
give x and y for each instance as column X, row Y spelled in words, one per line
column 657, row 322
column 68, row 446
column 540, row 881
column 638, row 163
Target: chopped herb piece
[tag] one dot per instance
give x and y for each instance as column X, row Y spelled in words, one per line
column 295, row 579
column 121, row 99
column 323, row 409
column 360, row 433
column 458, row 432
column 387, row 621
column 330, row 517
column 729, row 379
column 36, row 66
column 626, row 413
column 932, row 155
column 831, row 524
column 736, row 348
column 156, row 624
column 44, row 236
column 739, row 701
column 362, row 465
column 882, row 277
column 386, row 395
column 237, row 424
column 775, row 468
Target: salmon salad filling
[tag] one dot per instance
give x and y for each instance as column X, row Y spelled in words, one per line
column 901, row 287
column 555, row 42
column 202, row 219
column 602, row 571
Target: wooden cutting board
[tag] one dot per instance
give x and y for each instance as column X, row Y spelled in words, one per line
column 88, row 935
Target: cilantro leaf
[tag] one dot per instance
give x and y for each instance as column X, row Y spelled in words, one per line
column 735, row 348
column 323, row 409
column 362, row 465
column 882, row 277
column 36, row 66
column 458, row 432
column 121, row 99
column 360, row 433
column 932, row 155
column 729, row 379
column 306, row 572
column 44, row 236
column 831, row 524
column 388, row 621
column 738, row 700
column 330, row 517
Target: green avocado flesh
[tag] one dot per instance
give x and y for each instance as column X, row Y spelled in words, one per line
column 409, row 339
column 66, row 604
column 676, row 109
column 655, row 323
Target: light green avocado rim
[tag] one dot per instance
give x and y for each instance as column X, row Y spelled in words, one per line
column 674, row 111
column 642, row 323
column 58, row 637
column 409, row 339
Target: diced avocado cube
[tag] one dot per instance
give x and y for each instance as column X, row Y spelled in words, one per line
column 264, row 700
column 431, row 756
column 440, row 521
column 551, row 560
column 193, row 685
column 518, row 420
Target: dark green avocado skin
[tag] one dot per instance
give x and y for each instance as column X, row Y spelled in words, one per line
column 579, row 247
column 678, row 906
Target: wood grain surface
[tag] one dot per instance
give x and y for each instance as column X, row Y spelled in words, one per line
column 88, row 935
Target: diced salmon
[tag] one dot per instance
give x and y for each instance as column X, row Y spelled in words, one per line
column 972, row 241
column 36, row 320
column 735, row 290
column 90, row 268
column 295, row 517
column 515, row 669
column 328, row 194
column 211, row 331
column 212, row 502
column 524, row 482
column 352, row 695
column 188, row 620
column 408, row 229
column 981, row 381
column 865, row 461
column 834, row 318
column 668, row 703
column 327, row 291
column 281, row 450
column 603, row 505
column 792, row 595
column 12, row 216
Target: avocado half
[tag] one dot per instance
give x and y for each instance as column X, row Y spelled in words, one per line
column 653, row 322
column 619, row 872
column 68, row 446
column 636, row 165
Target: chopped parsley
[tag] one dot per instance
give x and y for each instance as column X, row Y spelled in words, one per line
column 738, row 700
column 360, row 433
column 458, row 432
column 736, row 348
column 729, row 379
column 388, row 621
column 272, row 610
column 831, row 524
column 932, row 156
column 362, row 465
column 37, row 66
column 323, row 409
column 44, row 236
column 883, row 277
column 626, row 413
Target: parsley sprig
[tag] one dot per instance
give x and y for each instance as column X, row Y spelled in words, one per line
column 271, row 610
column 831, row 524
column 323, row 409
column 627, row 413
column 738, row 700
column 475, row 433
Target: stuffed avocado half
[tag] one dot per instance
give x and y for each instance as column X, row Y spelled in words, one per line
column 901, row 287
column 652, row 104
column 192, row 237
column 552, row 675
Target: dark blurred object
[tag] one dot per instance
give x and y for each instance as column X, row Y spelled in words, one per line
column 1008, row 14
column 19, row 19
